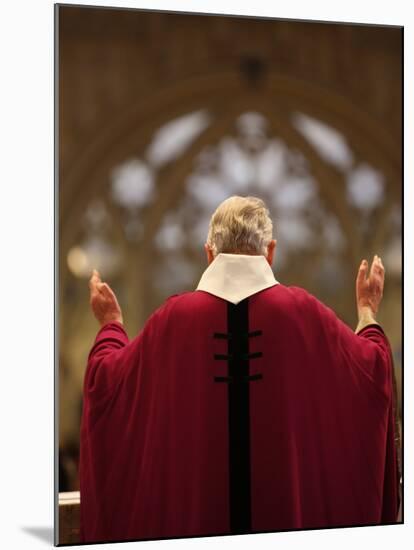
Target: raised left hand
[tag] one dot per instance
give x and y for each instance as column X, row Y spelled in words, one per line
column 370, row 287
column 103, row 301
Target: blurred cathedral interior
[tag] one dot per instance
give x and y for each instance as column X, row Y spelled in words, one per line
column 164, row 115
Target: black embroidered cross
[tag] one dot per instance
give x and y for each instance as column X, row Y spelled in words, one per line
column 238, row 356
column 238, row 378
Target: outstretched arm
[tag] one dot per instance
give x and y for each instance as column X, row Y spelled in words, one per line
column 369, row 291
column 367, row 348
column 110, row 352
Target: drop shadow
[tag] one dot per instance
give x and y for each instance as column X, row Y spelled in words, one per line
column 43, row 533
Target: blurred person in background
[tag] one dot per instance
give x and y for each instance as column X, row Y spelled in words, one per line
column 243, row 406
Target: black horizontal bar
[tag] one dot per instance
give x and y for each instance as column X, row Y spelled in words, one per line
column 228, row 336
column 227, row 357
column 223, row 379
column 222, row 335
column 254, row 377
column 238, row 379
column 253, row 355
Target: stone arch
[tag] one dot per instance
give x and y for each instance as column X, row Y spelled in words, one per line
column 128, row 133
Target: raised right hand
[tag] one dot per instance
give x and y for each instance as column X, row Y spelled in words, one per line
column 103, row 301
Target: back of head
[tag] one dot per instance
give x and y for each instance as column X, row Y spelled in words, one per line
column 240, row 225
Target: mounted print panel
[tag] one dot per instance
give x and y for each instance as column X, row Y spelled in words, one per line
column 229, row 330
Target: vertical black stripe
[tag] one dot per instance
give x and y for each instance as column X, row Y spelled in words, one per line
column 239, row 418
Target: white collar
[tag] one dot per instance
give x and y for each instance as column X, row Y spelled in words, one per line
column 235, row 277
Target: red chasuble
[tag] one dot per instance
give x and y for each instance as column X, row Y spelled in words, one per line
column 221, row 418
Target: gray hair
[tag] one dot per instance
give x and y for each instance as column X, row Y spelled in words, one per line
column 240, row 225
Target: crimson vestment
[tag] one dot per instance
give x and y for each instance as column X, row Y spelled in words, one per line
column 260, row 412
